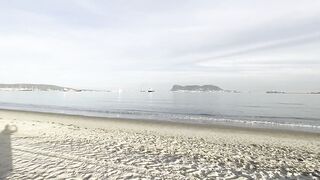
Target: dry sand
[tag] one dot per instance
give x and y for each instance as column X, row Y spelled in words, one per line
column 51, row 146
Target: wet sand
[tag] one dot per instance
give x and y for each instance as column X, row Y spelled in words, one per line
column 53, row 146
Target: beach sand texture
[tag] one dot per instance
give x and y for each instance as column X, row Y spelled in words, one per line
column 50, row 146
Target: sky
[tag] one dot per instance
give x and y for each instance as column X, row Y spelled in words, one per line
column 251, row 45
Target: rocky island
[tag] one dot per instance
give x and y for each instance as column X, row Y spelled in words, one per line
column 35, row 87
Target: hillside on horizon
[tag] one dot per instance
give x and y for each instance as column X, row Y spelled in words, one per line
column 32, row 87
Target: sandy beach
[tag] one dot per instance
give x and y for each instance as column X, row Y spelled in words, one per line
column 53, row 146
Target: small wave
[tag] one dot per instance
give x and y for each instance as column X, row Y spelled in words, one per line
column 202, row 118
column 296, row 104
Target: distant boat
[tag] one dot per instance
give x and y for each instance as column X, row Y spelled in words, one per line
column 149, row 90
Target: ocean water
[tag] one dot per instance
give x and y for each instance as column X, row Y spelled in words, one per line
column 285, row 111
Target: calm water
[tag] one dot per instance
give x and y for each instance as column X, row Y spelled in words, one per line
column 296, row 111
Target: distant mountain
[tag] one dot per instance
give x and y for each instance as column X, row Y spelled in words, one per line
column 204, row 88
column 35, row 87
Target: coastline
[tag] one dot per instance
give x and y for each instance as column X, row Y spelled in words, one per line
column 109, row 147
column 243, row 127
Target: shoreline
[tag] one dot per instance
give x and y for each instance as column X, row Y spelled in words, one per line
column 61, row 146
column 213, row 126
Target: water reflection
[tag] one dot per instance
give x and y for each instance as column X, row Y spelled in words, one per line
column 6, row 150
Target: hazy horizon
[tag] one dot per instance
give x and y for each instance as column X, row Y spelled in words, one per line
column 247, row 45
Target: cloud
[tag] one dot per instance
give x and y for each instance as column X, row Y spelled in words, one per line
column 137, row 41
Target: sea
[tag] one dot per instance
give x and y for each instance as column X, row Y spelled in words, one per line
column 250, row 109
